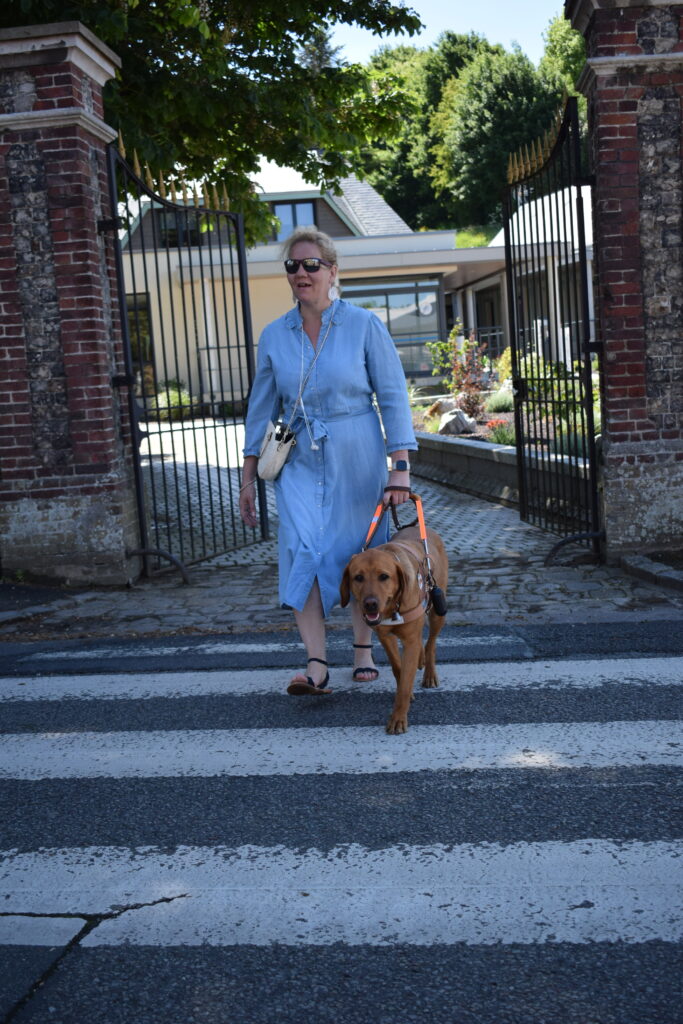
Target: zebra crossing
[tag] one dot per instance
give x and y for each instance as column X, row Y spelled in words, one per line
column 158, row 828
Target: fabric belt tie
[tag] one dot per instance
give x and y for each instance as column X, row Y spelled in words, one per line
column 318, row 426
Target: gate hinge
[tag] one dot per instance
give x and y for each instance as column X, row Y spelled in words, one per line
column 520, row 389
column 109, row 224
column 594, row 346
column 122, row 380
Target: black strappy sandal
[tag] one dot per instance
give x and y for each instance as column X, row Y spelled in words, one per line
column 298, row 688
column 357, row 671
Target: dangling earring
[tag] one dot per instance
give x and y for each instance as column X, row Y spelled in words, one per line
column 333, row 292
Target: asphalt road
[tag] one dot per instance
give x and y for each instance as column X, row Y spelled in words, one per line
column 182, row 843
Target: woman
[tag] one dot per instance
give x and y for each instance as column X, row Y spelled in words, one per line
column 336, row 472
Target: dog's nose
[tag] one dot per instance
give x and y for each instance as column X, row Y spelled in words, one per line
column 371, row 605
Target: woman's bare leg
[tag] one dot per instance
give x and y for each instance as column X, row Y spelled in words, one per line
column 311, row 625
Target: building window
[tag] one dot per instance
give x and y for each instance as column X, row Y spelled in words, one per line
column 411, row 311
column 292, row 215
column 180, row 228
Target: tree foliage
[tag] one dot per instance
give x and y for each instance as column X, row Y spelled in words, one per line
column 400, row 168
column 565, row 52
column 213, row 85
column 472, row 104
column 501, row 103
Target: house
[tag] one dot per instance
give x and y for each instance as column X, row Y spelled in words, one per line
column 418, row 283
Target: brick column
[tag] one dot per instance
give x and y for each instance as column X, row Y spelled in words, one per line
column 67, row 503
column 634, row 84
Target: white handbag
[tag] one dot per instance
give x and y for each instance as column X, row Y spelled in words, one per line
column 279, row 438
column 278, row 442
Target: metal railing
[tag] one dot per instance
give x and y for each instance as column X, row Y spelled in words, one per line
column 184, row 305
column 555, row 363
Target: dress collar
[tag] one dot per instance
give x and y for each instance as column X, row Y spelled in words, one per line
column 336, row 310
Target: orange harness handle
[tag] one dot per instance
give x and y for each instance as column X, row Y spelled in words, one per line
column 379, row 514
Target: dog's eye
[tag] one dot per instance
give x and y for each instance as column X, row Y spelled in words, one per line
column 359, row 577
column 383, row 576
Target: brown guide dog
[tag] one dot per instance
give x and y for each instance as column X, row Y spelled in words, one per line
column 389, row 583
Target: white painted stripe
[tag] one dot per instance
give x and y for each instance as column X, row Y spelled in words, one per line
column 38, row 931
column 354, row 750
column 584, row 891
column 228, row 648
column 458, row 678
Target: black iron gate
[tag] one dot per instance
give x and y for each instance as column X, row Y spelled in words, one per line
column 554, row 359
column 185, row 316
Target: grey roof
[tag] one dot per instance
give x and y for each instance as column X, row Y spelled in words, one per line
column 366, row 208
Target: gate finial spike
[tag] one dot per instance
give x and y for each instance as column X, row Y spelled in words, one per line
column 195, row 195
column 174, row 194
column 136, row 164
column 510, row 170
column 520, row 165
column 162, row 185
column 205, row 195
column 540, row 159
column 215, row 202
column 184, row 187
column 547, row 145
column 121, row 147
column 149, row 181
column 226, row 201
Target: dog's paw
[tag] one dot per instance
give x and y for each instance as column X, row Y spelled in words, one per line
column 430, row 681
column 397, row 724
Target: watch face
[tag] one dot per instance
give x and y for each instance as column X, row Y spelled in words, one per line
column 400, row 464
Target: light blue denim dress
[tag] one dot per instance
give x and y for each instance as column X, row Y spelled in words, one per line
column 326, row 494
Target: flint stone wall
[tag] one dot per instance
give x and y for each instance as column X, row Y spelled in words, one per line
column 634, row 84
column 67, row 501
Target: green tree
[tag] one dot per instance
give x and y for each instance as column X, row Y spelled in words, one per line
column 213, row 85
column 400, row 168
column 318, row 52
column 501, row 102
column 565, row 53
column 565, row 57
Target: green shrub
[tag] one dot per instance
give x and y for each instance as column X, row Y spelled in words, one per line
column 503, row 365
column 173, row 402
column 500, row 432
column 500, row 401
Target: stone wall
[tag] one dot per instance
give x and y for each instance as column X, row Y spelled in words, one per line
column 634, row 84
column 67, row 500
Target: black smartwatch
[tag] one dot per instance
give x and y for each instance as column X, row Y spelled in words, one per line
column 401, row 464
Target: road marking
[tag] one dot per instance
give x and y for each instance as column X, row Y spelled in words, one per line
column 453, row 678
column 16, row 930
column 353, row 750
column 584, row 891
column 228, row 648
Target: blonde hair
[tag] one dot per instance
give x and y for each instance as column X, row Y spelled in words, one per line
column 310, row 233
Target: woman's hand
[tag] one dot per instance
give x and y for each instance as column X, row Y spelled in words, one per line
column 248, row 492
column 397, row 478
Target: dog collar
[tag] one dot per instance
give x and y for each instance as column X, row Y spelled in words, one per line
column 413, row 613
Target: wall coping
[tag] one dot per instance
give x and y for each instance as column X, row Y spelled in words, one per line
column 596, row 67
column 64, row 41
column 580, row 12
column 59, row 117
column 487, row 450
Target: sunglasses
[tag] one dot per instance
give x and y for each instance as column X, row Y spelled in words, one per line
column 311, row 265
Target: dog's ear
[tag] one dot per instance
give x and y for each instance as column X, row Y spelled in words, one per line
column 344, row 589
